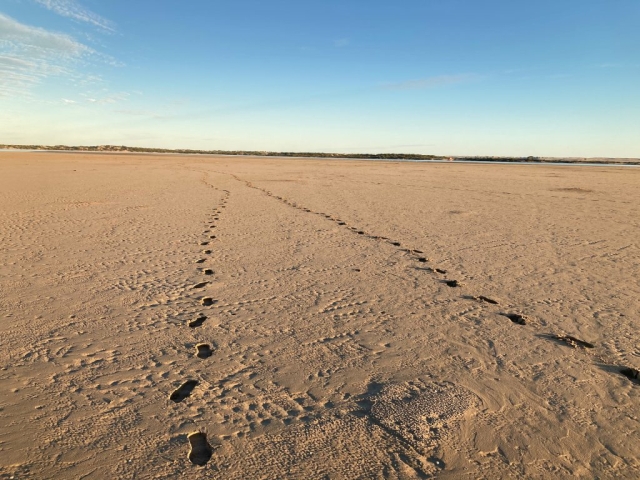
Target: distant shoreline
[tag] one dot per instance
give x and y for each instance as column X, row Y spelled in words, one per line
column 359, row 156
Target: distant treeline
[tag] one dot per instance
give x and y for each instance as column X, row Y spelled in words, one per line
column 122, row 148
column 370, row 156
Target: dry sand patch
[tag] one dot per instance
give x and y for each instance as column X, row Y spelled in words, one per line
column 342, row 322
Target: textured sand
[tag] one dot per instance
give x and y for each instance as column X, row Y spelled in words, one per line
column 332, row 348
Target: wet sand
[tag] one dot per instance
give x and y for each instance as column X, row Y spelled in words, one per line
column 316, row 318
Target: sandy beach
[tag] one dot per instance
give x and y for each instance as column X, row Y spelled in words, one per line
column 316, row 319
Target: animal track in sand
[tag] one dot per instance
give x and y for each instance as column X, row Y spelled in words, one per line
column 198, row 321
column 200, row 450
column 202, row 260
column 452, row 283
column 207, row 301
column 516, row 318
column 395, row 244
column 207, row 271
column 439, row 270
column 212, row 236
column 422, row 259
column 204, row 243
column 183, row 391
column 207, row 252
column 203, row 350
column 200, row 285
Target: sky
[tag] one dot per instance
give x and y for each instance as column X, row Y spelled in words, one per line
column 444, row 77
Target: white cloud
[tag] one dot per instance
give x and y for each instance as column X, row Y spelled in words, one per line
column 72, row 9
column 432, row 82
column 29, row 54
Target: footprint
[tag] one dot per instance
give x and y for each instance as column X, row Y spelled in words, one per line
column 196, row 322
column 200, row 285
column 200, row 451
column 207, row 271
column 573, row 341
column 482, row 298
column 631, row 373
column 202, row 260
column 204, row 243
column 395, row 244
column 360, row 232
column 212, row 236
column 452, row 283
column 203, row 350
column 207, row 301
column 439, row 270
column 341, row 223
column 207, row 252
column 422, row 259
column 183, row 391
column 516, row 318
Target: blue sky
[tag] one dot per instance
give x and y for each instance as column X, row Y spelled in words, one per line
column 451, row 77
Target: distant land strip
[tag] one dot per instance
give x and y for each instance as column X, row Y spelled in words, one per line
column 371, row 156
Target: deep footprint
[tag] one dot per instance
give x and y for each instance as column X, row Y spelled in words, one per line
column 207, row 271
column 207, row 252
column 207, row 301
column 422, row 259
column 203, row 350
column 574, row 342
column 516, row 318
column 452, row 283
column 183, row 391
column 631, row 373
column 198, row 321
column 202, row 260
column 482, row 298
column 200, row 451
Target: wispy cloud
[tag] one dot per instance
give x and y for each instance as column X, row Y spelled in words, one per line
column 72, row 9
column 432, row 82
column 29, row 54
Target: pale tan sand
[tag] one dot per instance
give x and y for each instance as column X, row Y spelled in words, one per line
column 333, row 354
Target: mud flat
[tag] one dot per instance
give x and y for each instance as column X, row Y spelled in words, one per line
column 224, row 317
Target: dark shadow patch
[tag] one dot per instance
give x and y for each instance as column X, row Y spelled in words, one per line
column 200, row 285
column 207, row 301
column 452, row 283
column 207, row 271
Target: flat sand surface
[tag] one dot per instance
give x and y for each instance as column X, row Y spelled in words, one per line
column 339, row 345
